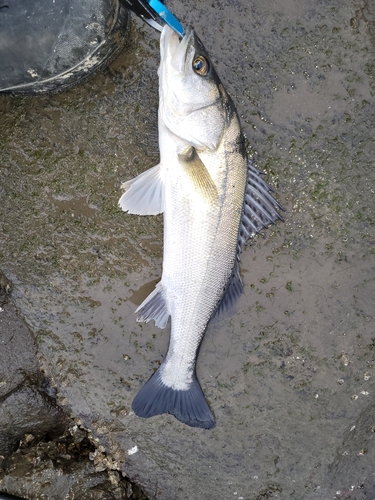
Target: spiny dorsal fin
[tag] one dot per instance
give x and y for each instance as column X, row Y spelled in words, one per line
column 260, row 208
column 198, row 174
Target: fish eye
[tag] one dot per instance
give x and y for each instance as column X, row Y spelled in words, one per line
column 201, row 65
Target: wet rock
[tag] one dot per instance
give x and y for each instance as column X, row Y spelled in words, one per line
column 34, row 460
column 27, row 415
column 62, row 469
column 18, row 354
column 26, row 410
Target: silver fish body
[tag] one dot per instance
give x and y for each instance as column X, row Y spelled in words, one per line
column 212, row 201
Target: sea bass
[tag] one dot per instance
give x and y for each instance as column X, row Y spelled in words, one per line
column 213, row 200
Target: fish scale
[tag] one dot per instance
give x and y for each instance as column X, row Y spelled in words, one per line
column 213, row 201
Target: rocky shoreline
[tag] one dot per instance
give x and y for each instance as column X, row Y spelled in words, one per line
column 42, row 449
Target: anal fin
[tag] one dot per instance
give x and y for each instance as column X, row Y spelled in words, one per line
column 154, row 307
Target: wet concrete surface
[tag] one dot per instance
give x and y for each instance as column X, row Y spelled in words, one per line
column 290, row 376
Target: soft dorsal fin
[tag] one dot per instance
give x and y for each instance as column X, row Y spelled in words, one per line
column 232, row 292
column 198, row 174
column 144, row 194
column 259, row 211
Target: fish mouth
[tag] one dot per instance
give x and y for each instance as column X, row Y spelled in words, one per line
column 173, row 51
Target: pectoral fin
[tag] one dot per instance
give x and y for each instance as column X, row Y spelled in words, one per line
column 198, row 174
column 144, row 194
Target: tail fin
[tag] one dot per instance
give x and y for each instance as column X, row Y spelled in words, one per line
column 189, row 406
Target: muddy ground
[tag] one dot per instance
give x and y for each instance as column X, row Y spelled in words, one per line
column 290, row 375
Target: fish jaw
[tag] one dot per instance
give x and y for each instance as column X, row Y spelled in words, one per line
column 174, row 52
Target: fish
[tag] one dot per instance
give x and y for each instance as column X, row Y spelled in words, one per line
column 213, row 200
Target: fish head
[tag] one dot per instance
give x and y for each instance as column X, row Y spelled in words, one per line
column 191, row 95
